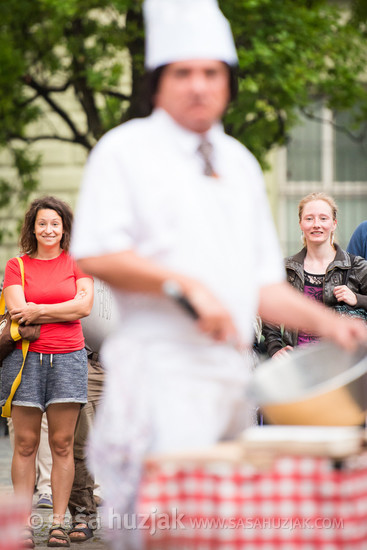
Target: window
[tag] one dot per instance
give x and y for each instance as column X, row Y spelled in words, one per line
column 350, row 150
column 304, row 151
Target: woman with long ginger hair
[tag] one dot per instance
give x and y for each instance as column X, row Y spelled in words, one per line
column 57, row 294
column 321, row 270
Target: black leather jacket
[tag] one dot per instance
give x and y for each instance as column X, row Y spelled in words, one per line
column 275, row 338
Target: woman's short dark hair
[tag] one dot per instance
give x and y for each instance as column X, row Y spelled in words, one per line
column 152, row 79
column 27, row 240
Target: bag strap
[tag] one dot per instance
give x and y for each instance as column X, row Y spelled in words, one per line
column 6, row 409
column 21, row 266
column 2, row 303
column 2, row 298
column 346, row 276
column 347, row 271
column 14, row 327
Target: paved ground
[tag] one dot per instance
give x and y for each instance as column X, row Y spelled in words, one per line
column 41, row 517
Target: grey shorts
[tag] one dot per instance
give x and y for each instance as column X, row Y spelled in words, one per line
column 46, row 378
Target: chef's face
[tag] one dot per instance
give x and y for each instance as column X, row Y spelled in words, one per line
column 195, row 93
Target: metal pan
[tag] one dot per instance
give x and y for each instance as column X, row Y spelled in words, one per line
column 319, row 385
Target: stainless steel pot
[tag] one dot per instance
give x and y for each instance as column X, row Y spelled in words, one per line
column 319, row 384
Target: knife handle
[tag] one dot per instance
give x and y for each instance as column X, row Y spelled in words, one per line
column 173, row 290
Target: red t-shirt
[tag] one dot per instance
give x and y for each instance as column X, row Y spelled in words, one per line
column 49, row 282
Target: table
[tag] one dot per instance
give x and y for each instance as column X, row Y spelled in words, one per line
column 13, row 518
column 298, row 502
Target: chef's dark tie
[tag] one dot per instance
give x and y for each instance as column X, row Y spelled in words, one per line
column 205, row 150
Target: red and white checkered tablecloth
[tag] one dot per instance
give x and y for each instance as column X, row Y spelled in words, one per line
column 299, row 503
column 13, row 518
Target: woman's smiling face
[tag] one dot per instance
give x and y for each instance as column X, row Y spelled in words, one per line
column 317, row 222
column 48, row 228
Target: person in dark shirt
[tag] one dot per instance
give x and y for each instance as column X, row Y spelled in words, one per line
column 358, row 241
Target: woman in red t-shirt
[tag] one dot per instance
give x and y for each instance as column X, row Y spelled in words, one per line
column 57, row 294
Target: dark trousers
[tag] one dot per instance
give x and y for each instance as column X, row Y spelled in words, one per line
column 82, row 505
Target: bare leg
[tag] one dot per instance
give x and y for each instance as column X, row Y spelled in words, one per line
column 62, row 419
column 27, row 427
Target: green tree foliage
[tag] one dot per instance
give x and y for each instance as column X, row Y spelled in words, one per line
column 359, row 11
column 290, row 52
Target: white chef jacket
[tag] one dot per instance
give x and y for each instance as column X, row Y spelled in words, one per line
column 144, row 190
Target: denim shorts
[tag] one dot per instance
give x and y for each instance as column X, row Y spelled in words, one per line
column 46, row 378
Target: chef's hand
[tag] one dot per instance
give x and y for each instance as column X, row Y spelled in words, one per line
column 343, row 294
column 213, row 318
column 347, row 332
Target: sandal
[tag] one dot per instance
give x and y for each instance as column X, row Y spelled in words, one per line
column 27, row 538
column 63, row 536
column 87, row 531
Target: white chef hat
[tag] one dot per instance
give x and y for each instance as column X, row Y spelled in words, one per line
column 179, row 30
